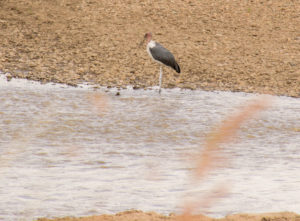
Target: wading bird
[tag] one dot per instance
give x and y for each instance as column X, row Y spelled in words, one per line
column 161, row 55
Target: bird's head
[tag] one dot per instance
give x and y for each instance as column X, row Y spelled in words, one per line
column 147, row 38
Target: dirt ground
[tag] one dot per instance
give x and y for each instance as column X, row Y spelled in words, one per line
column 251, row 46
column 135, row 215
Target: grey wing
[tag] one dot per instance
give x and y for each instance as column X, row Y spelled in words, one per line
column 164, row 56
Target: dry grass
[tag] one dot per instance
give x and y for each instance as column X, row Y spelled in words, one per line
column 211, row 156
column 99, row 103
column 224, row 133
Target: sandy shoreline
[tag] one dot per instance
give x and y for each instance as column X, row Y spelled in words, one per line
column 152, row 216
column 250, row 46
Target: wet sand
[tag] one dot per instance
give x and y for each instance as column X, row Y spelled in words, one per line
column 250, row 46
column 152, row 216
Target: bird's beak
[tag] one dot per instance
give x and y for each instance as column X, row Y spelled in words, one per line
column 142, row 42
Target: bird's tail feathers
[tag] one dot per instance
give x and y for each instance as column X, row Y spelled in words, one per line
column 177, row 68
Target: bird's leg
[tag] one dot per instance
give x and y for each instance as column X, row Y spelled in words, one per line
column 160, row 79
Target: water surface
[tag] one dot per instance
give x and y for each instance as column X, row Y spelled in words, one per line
column 74, row 152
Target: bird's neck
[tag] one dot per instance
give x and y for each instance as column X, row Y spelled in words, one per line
column 151, row 44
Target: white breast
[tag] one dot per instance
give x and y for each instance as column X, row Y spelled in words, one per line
column 151, row 44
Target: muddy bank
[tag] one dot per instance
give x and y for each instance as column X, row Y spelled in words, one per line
column 152, row 216
column 251, row 46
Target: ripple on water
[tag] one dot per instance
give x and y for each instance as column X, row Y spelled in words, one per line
column 60, row 157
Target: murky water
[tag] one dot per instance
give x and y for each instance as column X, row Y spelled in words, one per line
column 74, row 152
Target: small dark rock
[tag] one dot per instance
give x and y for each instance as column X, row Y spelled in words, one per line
column 8, row 77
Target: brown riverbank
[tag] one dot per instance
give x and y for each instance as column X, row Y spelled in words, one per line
column 251, row 46
column 152, row 216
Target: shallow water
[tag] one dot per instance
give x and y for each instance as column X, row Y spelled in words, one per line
column 74, row 152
